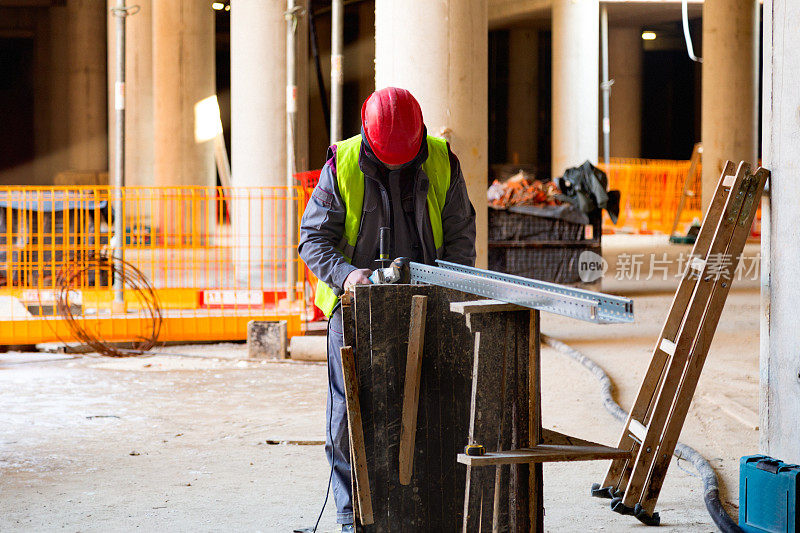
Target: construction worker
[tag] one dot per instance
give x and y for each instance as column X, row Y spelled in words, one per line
column 392, row 175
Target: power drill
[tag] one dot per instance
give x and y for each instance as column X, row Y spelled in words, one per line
column 397, row 271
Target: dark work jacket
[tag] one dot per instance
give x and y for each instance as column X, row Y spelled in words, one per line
column 322, row 225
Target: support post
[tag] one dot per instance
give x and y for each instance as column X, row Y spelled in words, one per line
column 120, row 12
column 605, row 86
column 575, row 75
column 292, row 15
column 439, row 52
column 337, row 74
column 780, row 337
column 729, row 91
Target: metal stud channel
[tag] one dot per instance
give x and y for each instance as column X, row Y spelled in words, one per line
column 567, row 301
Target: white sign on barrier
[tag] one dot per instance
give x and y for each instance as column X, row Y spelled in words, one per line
column 233, row 297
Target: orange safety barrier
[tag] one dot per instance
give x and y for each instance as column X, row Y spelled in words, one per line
column 650, row 190
column 217, row 258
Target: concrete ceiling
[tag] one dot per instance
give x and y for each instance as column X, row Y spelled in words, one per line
column 32, row 3
column 636, row 13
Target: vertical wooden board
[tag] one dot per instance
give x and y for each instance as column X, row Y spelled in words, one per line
column 362, row 497
column 519, row 518
column 379, row 354
column 415, row 505
column 535, row 421
column 506, row 322
column 396, row 334
column 410, row 385
column 455, row 382
column 462, row 368
column 431, row 395
column 486, row 407
column 363, row 355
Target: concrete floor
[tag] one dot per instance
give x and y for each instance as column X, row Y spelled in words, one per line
column 180, row 442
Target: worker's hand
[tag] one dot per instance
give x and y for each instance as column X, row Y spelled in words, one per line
column 357, row 277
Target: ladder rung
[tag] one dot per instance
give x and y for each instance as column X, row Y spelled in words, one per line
column 728, row 181
column 637, row 430
column 667, row 346
column 697, row 264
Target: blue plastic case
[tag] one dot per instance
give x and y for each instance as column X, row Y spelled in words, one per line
column 768, row 495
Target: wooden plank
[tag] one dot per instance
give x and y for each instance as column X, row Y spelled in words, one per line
column 356, row 434
column 519, row 474
column 544, row 453
column 503, row 495
column 688, row 331
column 705, row 335
column 364, row 368
column 408, row 429
column 391, row 339
column 484, row 306
column 348, row 333
column 455, row 378
column 618, row 472
column 693, row 162
column 536, row 479
column 485, row 404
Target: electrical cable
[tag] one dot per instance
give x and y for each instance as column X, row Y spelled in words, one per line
column 330, row 435
column 721, row 518
column 74, row 277
column 686, row 35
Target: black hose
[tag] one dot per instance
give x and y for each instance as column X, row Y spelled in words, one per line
column 719, row 515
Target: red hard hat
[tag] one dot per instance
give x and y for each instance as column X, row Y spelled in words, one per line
column 393, row 125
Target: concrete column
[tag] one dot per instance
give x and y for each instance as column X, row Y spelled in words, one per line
column 780, row 336
column 523, row 95
column 139, row 130
column 301, row 133
column 576, row 83
column 86, row 85
column 183, row 83
column 258, row 93
column 438, row 51
column 625, row 68
column 258, row 136
column 58, row 106
column 42, row 164
column 729, row 116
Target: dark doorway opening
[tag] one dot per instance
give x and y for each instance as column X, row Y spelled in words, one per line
column 670, row 98
column 16, row 102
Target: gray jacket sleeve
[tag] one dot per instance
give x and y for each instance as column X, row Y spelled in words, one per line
column 458, row 219
column 322, row 231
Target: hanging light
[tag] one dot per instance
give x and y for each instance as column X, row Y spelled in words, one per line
column 649, row 35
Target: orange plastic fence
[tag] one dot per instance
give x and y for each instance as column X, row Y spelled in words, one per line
column 217, row 258
column 650, row 190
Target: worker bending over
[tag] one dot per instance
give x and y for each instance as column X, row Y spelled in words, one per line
column 392, row 175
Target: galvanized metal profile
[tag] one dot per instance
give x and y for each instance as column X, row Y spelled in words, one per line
column 551, row 297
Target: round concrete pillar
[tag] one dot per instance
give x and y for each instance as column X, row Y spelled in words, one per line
column 258, row 137
column 625, row 68
column 258, row 93
column 184, row 92
column 87, row 126
column 576, row 83
column 438, row 51
column 523, row 101
column 729, row 113
column 138, row 94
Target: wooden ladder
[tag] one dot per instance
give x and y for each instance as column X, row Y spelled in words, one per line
column 655, row 421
